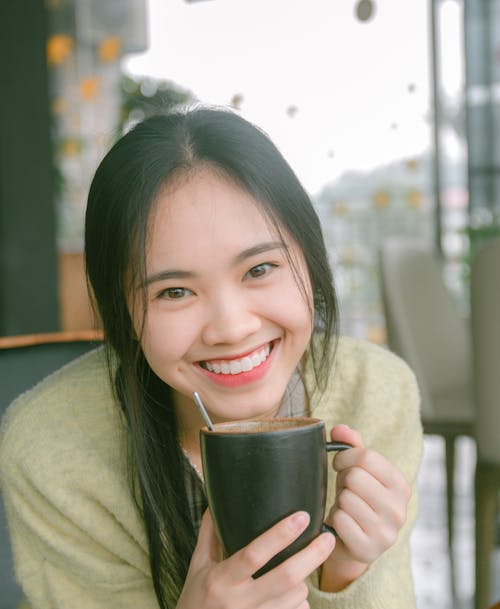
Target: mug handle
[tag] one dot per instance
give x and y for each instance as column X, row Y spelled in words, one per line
column 331, row 446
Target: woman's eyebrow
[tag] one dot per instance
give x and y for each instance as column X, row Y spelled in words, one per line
column 167, row 274
column 238, row 259
column 259, row 249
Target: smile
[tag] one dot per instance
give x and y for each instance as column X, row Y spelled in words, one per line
column 239, row 365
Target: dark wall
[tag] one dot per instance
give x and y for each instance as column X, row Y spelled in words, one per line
column 28, row 262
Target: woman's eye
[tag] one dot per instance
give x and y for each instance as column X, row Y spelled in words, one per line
column 260, row 270
column 174, row 293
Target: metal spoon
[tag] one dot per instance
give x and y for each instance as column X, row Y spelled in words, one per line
column 202, row 410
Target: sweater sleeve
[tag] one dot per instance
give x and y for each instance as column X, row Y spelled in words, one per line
column 375, row 392
column 77, row 538
column 63, row 561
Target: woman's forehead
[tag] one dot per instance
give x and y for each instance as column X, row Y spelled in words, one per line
column 207, row 205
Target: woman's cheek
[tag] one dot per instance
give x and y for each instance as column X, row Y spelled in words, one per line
column 168, row 336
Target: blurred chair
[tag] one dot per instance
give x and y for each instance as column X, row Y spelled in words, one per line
column 425, row 328
column 25, row 360
column 485, row 324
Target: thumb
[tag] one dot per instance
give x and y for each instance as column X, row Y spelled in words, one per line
column 208, row 549
column 343, row 433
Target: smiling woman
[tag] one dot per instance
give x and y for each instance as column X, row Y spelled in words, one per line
column 210, row 274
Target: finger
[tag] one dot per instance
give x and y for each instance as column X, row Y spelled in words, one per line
column 343, row 433
column 362, row 483
column 367, row 487
column 359, row 510
column 299, row 566
column 375, row 464
column 352, row 535
column 389, row 506
column 363, row 535
column 256, row 554
column 207, row 548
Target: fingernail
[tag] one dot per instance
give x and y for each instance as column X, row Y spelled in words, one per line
column 299, row 521
column 328, row 540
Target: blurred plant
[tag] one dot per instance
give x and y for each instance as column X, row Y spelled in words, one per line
column 75, row 151
column 143, row 97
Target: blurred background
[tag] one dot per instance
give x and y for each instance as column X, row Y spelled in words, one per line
column 388, row 111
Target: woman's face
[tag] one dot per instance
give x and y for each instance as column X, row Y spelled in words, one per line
column 226, row 315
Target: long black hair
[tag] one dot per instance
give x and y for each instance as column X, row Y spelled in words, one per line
column 121, row 198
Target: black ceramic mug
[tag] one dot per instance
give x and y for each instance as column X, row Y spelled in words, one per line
column 258, row 472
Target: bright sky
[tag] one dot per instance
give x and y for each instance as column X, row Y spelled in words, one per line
column 361, row 88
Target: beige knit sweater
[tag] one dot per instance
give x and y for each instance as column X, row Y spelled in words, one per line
column 78, row 540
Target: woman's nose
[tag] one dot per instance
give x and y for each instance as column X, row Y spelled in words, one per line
column 230, row 320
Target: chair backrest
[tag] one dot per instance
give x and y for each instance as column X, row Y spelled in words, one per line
column 485, row 324
column 423, row 322
column 25, row 360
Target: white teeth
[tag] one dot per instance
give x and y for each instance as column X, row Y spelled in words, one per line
column 235, row 366
column 246, row 364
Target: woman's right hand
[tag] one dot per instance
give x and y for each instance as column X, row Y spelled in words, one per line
column 213, row 583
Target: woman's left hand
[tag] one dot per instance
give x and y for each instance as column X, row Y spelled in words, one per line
column 370, row 508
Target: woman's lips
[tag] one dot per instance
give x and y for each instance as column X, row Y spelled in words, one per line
column 238, row 365
column 240, row 371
